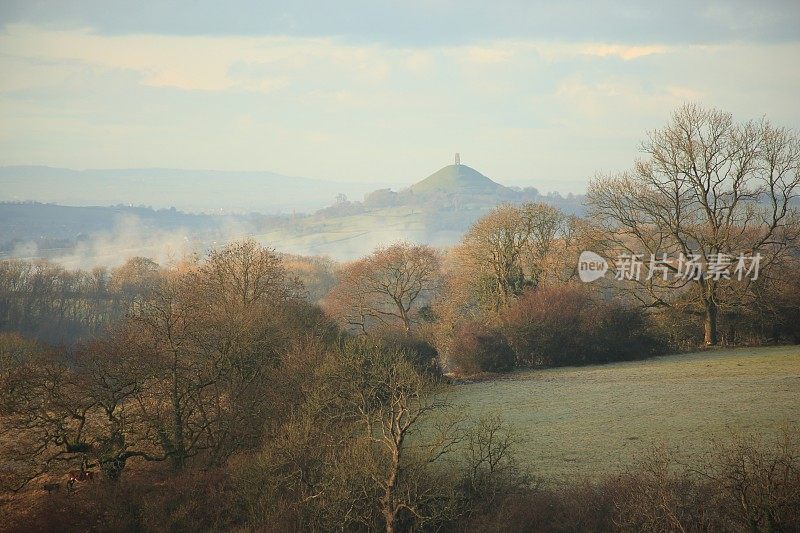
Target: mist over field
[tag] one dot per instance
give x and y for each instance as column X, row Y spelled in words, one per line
column 440, row 266
column 298, row 216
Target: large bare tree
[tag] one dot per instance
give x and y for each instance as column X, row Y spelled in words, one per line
column 511, row 248
column 710, row 190
column 389, row 402
column 389, row 287
column 214, row 333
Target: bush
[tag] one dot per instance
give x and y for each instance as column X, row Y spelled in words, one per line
column 681, row 328
column 752, row 484
column 480, row 348
column 194, row 500
column 564, row 325
column 422, row 355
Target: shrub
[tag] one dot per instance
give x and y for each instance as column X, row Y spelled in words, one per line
column 194, row 500
column 564, row 325
column 480, row 348
column 681, row 328
column 752, row 484
column 422, row 355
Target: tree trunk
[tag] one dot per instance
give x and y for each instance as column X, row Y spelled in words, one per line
column 177, row 422
column 406, row 320
column 389, row 518
column 389, row 508
column 710, row 324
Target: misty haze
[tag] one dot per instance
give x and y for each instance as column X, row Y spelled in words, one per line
column 427, row 266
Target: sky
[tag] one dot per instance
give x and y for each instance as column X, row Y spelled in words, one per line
column 530, row 93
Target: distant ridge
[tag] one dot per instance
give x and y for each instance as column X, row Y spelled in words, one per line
column 187, row 190
column 457, row 179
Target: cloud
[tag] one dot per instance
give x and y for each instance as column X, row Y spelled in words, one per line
column 156, row 62
column 626, row 52
column 490, row 54
column 427, row 23
column 257, row 64
column 338, row 109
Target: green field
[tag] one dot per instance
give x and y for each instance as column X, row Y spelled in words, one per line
column 588, row 421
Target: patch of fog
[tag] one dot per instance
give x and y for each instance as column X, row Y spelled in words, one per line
column 130, row 237
column 347, row 245
column 25, row 250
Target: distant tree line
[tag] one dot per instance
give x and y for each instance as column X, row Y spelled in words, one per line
column 48, row 302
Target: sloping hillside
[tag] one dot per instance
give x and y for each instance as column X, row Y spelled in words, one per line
column 458, row 179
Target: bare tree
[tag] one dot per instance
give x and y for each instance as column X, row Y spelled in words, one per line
column 510, row 249
column 211, row 334
column 708, row 188
column 53, row 304
column 46, row 419
column 359, row 452
column 133, row 282
column 69, row 409
column 388, row 287
column 491, row 466
column 388, row 402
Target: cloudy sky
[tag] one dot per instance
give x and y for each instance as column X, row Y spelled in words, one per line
column 528, row 92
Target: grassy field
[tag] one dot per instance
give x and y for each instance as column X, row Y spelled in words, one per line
column 593, row 420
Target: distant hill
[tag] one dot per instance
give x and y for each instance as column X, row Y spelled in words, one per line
column 458, row 179
column 187, row 190
column 436, row 210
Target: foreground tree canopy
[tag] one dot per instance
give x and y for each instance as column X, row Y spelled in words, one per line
column 189, row 372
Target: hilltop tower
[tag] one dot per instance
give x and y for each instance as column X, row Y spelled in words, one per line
column 458, row 159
